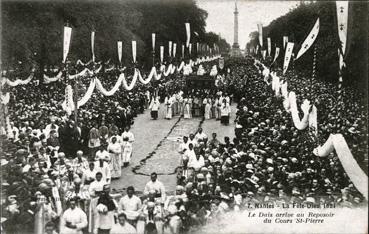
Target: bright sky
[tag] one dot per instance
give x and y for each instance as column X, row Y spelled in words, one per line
column 220, row 16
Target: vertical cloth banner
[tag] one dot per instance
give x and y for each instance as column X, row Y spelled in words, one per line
column 183, row 47
column 93, row 45
column 342, row 21
column 263, row 53
column 285, row 41
column 153, row 41
column 257, row 49
column 134, row 51
column 161, row 54
column 120, row 48
column 170, row 49
column 174, row 49
column 190, row 48
column 309, row 40
column 276, row 54
column 260, row 30
column 269, row 46
column 66, row 42
column 188, row 34
column 197, row 47
column 287, row 56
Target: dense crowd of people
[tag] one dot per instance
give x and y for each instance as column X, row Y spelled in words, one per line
column 59, row 175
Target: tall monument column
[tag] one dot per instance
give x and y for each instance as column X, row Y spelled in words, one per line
column 235, row 52
column 235, row 35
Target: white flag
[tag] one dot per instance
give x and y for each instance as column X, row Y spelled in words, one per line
column 269, row 46
column 153, row 41
column 197, row 47
column 287, row 56
column 93, row 45
column 120, row 50
column 161, row 54
column 188, row 33
column 263, row 53
column 309, row 39
column 285, row 41
column 257, row 49
column 276, row 54
column 134, row 51
column 174, row 49
column 66, row 43
column 260, row 29
column 183, row 47
column 190, row 48
column 342, row 20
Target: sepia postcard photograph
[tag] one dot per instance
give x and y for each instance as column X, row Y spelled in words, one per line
column 183, row 117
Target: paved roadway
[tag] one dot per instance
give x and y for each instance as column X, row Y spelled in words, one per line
column 156, row 147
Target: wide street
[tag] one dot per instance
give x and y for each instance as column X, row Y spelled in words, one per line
column 156, row 147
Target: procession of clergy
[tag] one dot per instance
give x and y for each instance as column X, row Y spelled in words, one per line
column 194, row 104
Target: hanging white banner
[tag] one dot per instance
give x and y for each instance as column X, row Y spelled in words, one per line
column 183, row 50
column 342, row 21
column 120, row 50
column 190, row 48
column 174, row 49
column 260, row 30
column 93, row 45
column 309, row 39
column 263, row 53
column 197, row 47
column 66, row 43
column 287, row 56
column 257, row 49
column 161, row 54
column 153, row 41
column 269, row 46
column 276, row 54
column 285, row 41
column 170, row 49
column 134, row 51
column 188, row 33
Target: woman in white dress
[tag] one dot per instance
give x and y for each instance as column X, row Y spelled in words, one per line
column 127, row 151
column 168, row 102
column 115, row 150
column 207, row 113
column 187, row 108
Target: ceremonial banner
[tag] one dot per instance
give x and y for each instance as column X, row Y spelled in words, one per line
column 260, row 30
column 269, row 46
column 287, row 56
column 285, row 41
column 66, row 43
column 342, row 21
column 190, row 48
column 93, row 45
column 170, row 49
column 263, row 53
column 153, row 41
column 188, row 33
column 120, row 51
column 309, row 40
column 276, row 54
column 197, row 47
column 134, row 51
column 161, row 54
column 257, row 49
column 183, row 47
column 174, row 49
